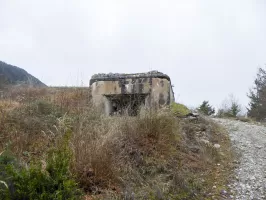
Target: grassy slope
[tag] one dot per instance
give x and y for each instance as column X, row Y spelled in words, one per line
column 151, row 156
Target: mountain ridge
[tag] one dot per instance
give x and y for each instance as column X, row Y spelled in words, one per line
column 10, row 74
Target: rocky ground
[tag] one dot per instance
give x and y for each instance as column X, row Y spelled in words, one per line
column 249, row 142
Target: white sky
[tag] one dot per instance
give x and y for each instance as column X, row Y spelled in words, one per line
column 209, row 48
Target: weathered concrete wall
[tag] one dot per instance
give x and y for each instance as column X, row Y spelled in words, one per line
column 160, row 93
column 157, row 90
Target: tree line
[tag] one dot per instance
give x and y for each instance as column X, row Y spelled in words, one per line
column 230, row 108
column 256, row 108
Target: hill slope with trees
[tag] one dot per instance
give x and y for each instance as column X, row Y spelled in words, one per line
column 12, row 75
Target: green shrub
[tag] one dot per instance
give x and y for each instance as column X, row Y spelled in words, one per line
column 179, row 110
column 6, row 158
column 230, row 108
column 227, row 113
column 50, row 179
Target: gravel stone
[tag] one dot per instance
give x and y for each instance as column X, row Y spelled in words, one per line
column 249, row 142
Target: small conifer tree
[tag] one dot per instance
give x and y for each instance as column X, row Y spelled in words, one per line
column 257, row 95
column 206, row 109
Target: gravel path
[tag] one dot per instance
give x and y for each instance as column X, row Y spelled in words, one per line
column 250, row 143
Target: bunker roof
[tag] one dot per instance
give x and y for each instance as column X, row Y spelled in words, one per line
column 118, row 76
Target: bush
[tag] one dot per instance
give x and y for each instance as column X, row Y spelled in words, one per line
column 229, row 108
column 50, row 179
column 6, row 158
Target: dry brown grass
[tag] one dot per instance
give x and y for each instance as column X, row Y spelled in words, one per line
column 68, row 98
column 25, row 94
column 73, row 100
column 92, row 163
column 112, row 152
column 151, row 156
column 29, row 116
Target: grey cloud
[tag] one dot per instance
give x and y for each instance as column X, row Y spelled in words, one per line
column 209, row 48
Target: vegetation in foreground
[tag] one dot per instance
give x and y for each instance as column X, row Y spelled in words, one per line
column 55, row 145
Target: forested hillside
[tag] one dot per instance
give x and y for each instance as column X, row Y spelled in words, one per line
column 13, row 75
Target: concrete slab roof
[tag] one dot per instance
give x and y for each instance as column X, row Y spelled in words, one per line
column 118, row 76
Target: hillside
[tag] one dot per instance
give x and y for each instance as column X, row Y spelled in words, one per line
column 78, row 153
column 13, row 75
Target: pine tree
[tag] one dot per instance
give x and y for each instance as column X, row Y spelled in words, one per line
column 257, row 95
column 206, row 109
column 235, row 109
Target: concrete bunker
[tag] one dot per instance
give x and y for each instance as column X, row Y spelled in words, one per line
column 126, row 93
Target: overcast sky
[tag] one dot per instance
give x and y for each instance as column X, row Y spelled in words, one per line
column 209, row 48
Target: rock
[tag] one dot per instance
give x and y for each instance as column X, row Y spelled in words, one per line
column 195, row 114
column 217, row 146
column 205, row 141
column 223, row 192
